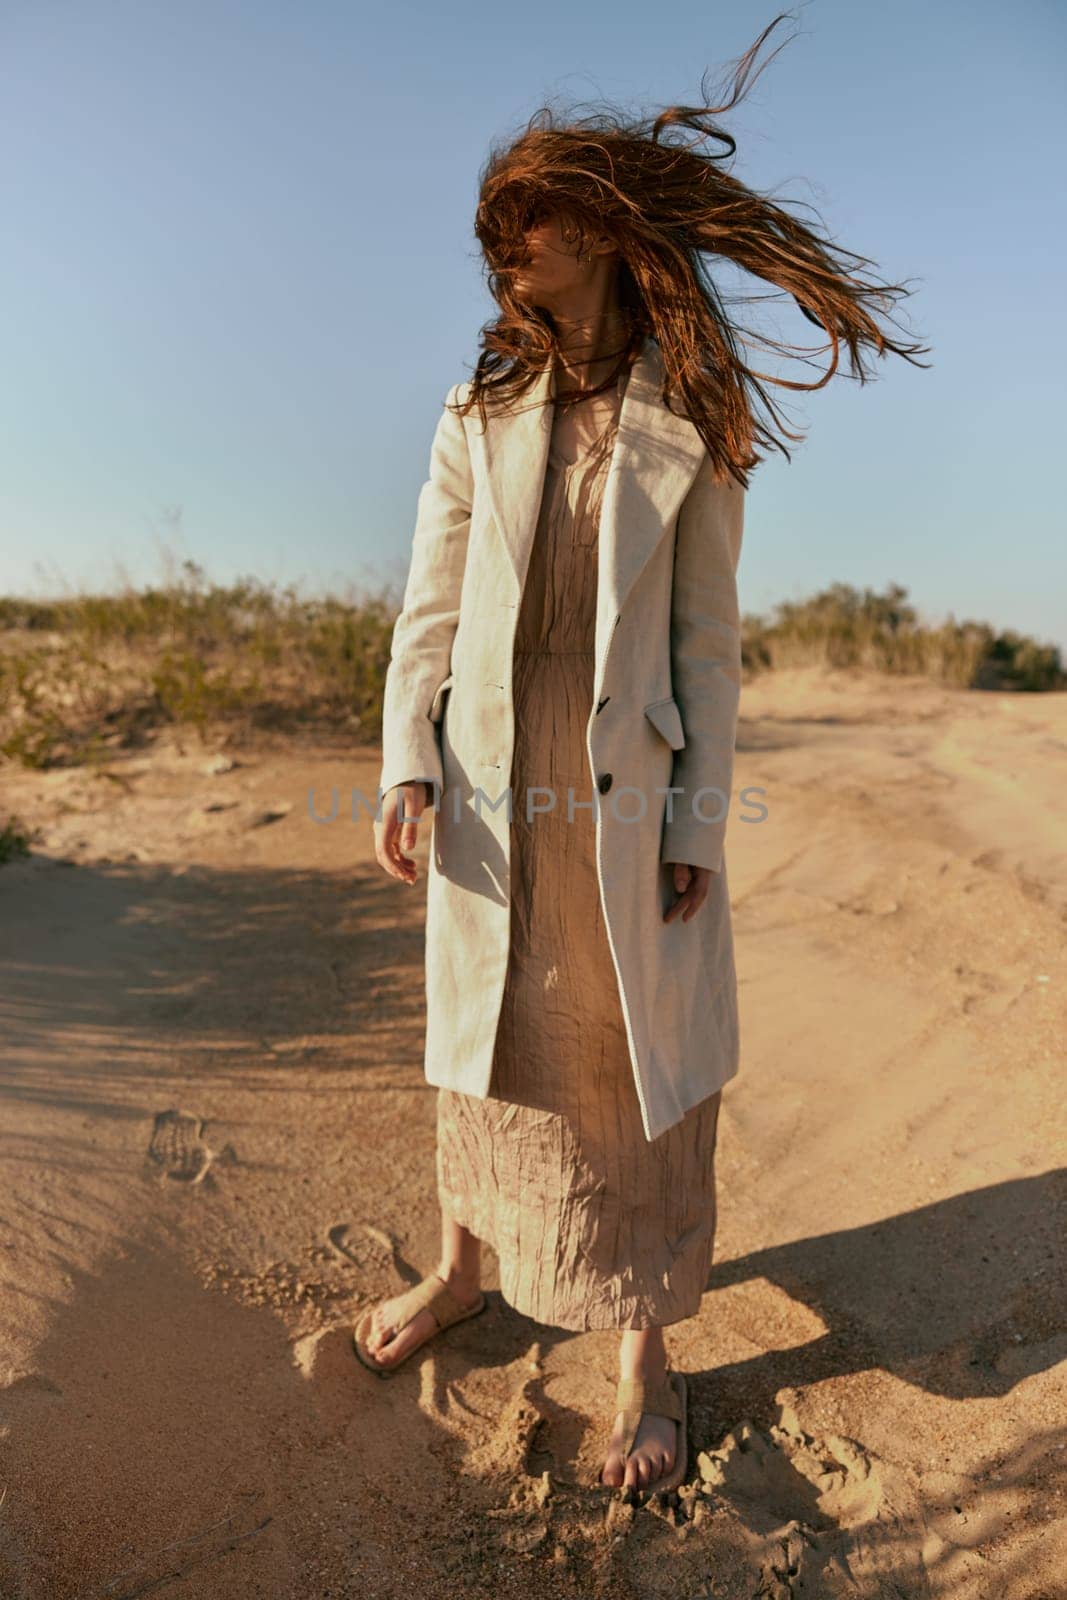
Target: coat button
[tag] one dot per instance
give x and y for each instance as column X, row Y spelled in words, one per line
column 604, row 782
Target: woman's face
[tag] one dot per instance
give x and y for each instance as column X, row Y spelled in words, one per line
column 551, row 270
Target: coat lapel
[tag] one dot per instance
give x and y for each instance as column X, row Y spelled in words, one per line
column 654, row 462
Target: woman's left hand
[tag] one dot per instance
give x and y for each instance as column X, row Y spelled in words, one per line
column 691, row 885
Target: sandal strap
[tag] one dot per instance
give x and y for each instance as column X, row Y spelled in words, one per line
column 656, row 1400
column 434, row 1294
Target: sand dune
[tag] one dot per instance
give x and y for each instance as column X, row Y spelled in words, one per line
column 218, row 1147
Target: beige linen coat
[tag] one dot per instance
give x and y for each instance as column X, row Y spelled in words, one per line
column 667, row 682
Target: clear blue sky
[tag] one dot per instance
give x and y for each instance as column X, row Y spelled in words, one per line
column 239, row 276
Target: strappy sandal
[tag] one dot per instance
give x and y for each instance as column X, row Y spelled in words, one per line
column 635, row 1398
column 432, row 1293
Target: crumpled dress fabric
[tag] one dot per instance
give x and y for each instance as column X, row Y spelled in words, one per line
column 593, row 1225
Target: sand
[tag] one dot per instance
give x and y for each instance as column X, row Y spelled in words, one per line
column 217, row 1147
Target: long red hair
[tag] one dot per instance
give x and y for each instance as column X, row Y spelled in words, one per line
column 667, row 205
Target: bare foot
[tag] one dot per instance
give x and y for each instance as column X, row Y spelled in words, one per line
column 655, row 1447
column 652, row 1456
column 387, row 1346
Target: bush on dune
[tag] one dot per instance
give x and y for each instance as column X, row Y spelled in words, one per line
column 85, row 675
column 843, row 627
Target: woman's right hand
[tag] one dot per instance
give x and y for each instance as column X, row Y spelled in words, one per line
column 392, row 837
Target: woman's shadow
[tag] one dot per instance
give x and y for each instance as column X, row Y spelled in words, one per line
column 961, row 1298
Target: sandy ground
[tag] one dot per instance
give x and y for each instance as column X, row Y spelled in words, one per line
column 217, row 1146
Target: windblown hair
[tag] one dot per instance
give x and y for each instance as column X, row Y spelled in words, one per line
column 666, row 205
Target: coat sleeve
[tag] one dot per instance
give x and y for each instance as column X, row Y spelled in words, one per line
column 705, row 667
column 421, row 649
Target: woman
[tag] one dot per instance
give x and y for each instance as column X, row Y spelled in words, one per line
column 576, row 555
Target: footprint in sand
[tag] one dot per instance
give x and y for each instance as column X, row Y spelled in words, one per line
column 984, row 990
column 178, row 1149
column 365, row 1246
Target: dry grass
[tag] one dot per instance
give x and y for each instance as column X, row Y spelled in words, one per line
column 86, row 674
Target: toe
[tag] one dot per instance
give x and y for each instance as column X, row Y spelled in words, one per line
column 406, row 1339
column 378, row 1334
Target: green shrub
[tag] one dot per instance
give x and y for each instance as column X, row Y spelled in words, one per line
column 15, row 840
column 844, row 627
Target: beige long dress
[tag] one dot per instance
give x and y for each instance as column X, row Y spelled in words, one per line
column 593, row 1225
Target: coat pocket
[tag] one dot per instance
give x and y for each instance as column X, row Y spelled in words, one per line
column 667, row 721
column 438, row 706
